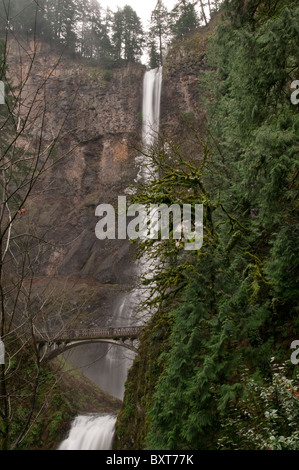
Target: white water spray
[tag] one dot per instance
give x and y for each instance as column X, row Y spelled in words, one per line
column 152, row 85
column 151, row 106
column 90, row 432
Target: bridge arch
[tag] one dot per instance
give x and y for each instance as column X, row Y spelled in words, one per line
column 51, row 348
column 49, row 351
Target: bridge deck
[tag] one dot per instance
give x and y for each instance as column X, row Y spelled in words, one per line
column 94, row 333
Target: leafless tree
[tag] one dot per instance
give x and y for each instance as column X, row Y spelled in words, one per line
column 207, row 8
column 28, row 150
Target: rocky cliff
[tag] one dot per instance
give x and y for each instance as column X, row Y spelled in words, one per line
column 91, row 118
column 96, row 115
column 180, row 101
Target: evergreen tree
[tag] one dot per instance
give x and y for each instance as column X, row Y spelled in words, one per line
column 79, row 26
column 118, row 31
column 154, row 57
column 183, row 19
column 23, row 17
column 127, row 35
column 94, row 38
column 158, row 33
column 105, row 46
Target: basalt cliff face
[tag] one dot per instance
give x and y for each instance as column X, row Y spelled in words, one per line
column 180, row 100
column 97, row 116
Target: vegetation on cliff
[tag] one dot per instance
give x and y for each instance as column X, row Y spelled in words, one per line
column 214, row 370
column 63, row 392
column 37, row 400
column 84, row 29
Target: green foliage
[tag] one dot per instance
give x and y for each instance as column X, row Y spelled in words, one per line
column 127, row 35
column 154, row 58
column 81, row 28
column 183, row 20
column 251, row 12
column 266, row 416
column 188, row 117
column 108, row 75
column 237, row 297
column 139, row 117
column 131, row 428
column 57, row 420
column 158, row 34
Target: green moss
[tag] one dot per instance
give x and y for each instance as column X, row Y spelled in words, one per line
column 139, row 117
column 108, row 75
column 64, row 393
column 133, row 422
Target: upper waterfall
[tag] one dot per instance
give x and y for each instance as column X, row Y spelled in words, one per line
column 152, row 85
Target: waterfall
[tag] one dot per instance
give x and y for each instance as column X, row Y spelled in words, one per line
column 151, row 106
column 152, row 85
column 91, row 432
column 88, row 431
column 114, row 368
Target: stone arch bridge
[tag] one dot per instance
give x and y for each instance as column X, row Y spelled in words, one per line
column 51, row 344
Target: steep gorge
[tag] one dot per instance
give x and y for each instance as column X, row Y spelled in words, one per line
column 84, row 280
column 98, row 146
column 213, row 366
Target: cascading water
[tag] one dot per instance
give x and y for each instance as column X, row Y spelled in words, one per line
column 90, row 433
column 152, row 85
column 96, row 432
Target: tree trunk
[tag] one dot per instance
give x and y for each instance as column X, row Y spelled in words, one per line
column 203, row 12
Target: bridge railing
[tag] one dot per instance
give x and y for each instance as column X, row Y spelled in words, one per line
column 107, row 332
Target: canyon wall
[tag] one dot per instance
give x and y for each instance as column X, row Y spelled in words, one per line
column 96, row 113
column 97, row 116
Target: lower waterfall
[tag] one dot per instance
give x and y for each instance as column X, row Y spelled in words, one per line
column 95, row 432
column 90, row 432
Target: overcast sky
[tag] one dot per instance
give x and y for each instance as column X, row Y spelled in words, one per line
column 143, row 8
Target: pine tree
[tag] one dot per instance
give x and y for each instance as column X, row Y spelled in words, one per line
column 154, row 56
